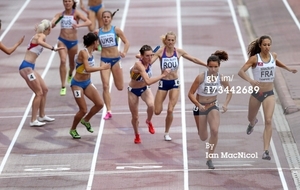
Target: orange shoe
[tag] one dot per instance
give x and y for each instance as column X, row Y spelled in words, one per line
column 150, row 127
column 137, row 139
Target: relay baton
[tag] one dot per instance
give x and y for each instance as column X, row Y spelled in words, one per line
column 59, row 19
column 156, row 48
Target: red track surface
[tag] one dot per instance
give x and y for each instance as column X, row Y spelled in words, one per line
column 48, row 158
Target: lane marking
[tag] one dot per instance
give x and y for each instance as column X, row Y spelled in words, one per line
column 102, row 121
column 115, row 113
column 14, row 19
column 182, row 95
column 238, row 31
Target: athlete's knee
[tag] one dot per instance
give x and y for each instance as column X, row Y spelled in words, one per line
column 203, row 137
column 134, row 118
column 170, row 111
column 105, row 87
column 83, row 111
column 214, row 132
column 99, row 105
column 268, row 121
column 157, row 111
column 120, row 87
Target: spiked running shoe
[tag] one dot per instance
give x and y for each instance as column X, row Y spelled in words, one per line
column 70, row 79
column 250, row 128
column 74, row 134
column 210, row 165
column 36, row 123
column 108, row 116
column 87, row 125
column 266, row 155
column 63, row 91
column 137, row 139
column 45, row 118
column 150, row 127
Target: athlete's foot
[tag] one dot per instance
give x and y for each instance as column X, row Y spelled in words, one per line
column 150, row 127
column 63, row 91
column 70, row 79
column 167, row 137
column 137, row 139
column 36, row 123
column 45, row 118
column 250, row 128
column 210, row 165
column 266, row 155
column 74, row 134
column 87, row 125
column 108, row 116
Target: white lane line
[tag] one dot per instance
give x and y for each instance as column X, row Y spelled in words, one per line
column 182, row 95
column 4, row 160
column 291, row 13
column 242, row 44
column 14, row 19
column 102, row 122
column 24, row 117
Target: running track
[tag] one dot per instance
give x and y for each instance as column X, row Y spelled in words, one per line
column 48, row 158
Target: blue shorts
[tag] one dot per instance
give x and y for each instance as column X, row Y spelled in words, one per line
column 261, row 96
column 138, row 91
column 111, row 61
column 209, row 106
column 82, row 84
column 96, row 8
column 68, row 44
column 25, row 64
column 168, row 84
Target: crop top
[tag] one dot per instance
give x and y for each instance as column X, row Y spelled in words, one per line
column 209, row 87
column 80, row 66
column 35, row 48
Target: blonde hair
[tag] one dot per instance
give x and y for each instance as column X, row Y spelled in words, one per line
column 164, row 37
column 43, row 25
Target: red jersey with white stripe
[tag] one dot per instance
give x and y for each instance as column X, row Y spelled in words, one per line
column 35, row 48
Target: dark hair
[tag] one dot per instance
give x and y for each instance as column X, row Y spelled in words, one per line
column 145, row 48
column 111, row 14
column 89, row 39
column 74, row 5
column 218, row 56
column 254, row 48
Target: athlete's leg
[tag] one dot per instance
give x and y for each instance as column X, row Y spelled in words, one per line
column 99, row 17
column 148, row 98
column 63, row 59
column 71, row 53
column 92, row 93
column 105, row 76
column 117, row 73
column 92, row 18
column 79, row 98
column 160, row 97
column 268, row 109
column 173, row 99
column 133, row 102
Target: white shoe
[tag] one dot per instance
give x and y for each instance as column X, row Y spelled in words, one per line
column 37, row 123
column 46, row 118
column 167, row 137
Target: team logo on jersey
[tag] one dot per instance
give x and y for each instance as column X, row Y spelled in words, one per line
column 260, row 64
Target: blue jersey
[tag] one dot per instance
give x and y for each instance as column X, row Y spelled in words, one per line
column 109, row 38
column 169, row 62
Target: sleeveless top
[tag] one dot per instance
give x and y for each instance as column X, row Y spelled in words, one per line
column 137, row 76
column 264, row 72
column 68, row 20
column 109, row 38
column 80, row 66
column 209, row 87
column 35, row 48
column 169, row 62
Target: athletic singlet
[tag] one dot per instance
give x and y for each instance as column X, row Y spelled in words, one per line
column 80, row 66
column 137, row 76
column 264, row 72
column 35, row 48
column 109, row 38
column 68, row 20
column 209, row 87
column 169, row 62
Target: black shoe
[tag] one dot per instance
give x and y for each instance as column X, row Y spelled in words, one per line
column 250, row 128
column 266, row 155
column 210, row 164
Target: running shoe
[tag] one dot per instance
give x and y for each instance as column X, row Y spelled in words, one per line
column 87, row 125
column 210, row 165
column 70, row 79
column 63, row 91
column 74, row 134
column 250, row 128
column 266, row 155
column 167, row 137
column 137, row 139
column 150, row 127
column 108, row 116
column 36, row 123
column 45, row 118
